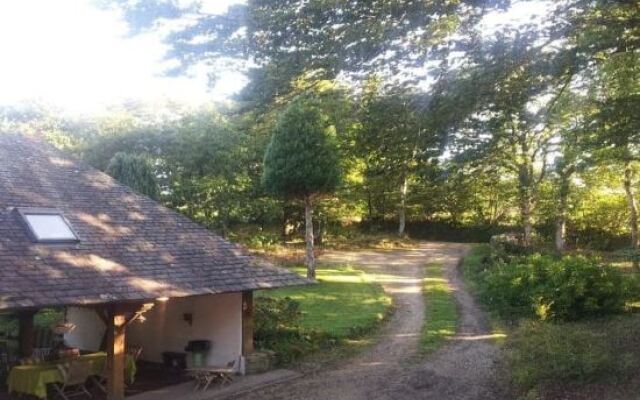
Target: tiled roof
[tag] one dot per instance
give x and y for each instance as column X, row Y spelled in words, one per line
column 131, row 248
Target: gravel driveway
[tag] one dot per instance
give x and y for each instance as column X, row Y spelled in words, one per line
column 393, row 368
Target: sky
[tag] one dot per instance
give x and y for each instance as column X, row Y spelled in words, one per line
column 80, row 58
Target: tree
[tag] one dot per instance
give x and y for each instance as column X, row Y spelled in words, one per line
column 301, row 161
column 396, row 141
column 570, row 146
column 616, row 123
column 508, row 125
column 136, row 172
column 286, row 39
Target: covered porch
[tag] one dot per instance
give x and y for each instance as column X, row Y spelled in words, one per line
column 158, row 327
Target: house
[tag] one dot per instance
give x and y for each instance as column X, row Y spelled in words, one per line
column 73, row 237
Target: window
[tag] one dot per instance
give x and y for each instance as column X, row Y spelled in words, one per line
column 47, row 225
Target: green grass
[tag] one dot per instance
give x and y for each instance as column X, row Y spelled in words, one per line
column 441, row 318
column 544, row 358
column 472, row 267
column 345, row 303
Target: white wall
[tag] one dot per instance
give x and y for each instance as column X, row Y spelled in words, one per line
column 89, row 329
column 217, row 318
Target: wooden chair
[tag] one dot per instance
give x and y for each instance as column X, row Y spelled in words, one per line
column 43, row 338
column 42, row 353
column 100, row 380
column 74, row 378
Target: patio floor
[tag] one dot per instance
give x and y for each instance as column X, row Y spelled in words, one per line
column 241, row 384
column 149, row 377
column 156, row 382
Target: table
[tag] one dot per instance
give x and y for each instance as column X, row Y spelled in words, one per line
column 205, row 376
column 33, row 379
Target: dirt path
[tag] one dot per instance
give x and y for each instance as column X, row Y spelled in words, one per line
column 392, row 368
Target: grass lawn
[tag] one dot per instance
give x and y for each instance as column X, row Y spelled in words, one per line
column 345, row 303
column 441, row 319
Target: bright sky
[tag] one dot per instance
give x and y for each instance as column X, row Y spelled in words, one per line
column 78, row 57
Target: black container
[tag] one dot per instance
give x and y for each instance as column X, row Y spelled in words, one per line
column 172, row 359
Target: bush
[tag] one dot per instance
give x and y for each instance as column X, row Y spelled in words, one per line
column 543, row 355
column 274, row 314
column 507, row 245
column 548, row 288
column 277, row 328
column 263, row 240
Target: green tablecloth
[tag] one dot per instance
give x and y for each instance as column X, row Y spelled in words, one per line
column 33, row 379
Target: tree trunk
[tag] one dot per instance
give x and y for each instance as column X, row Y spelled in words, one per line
column 319, row 236
column 285, row 221
column 561, row 221
column 525, row 216
column 369, row 206
column 526, row 203
column 633, row 210
column 402, row 211
column 561, row 228
column 308, row 220
column 527, row 225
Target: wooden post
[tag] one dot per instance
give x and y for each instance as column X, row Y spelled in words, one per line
column 116, row 327
column 247, row 322
column 26, row 332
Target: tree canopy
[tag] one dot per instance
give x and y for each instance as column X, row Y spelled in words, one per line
column 438, row 126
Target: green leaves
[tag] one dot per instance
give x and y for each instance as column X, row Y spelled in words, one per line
column 539, row 286
column 136, row 172
column 302, row 159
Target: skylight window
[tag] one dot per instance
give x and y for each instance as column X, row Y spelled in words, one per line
column 48, row 225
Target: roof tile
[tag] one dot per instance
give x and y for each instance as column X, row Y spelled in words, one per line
column 131, row 248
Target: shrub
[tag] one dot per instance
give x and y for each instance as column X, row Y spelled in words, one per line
column 274, row 314
column 548, row 288
column 507, row 244
column 542, row 355
column 277, row 329
column 263, row 240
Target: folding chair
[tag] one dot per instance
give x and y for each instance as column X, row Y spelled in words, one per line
column 204, row 377
column 74, row 377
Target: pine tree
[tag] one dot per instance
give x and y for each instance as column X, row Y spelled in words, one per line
column 134, row 171
column 302, row 161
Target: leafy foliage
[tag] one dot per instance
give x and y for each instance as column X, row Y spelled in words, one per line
column 465, row 132
column 273, row 314
column 302, row 160
column 277, row 329
column 134, row 171
column 547, row 288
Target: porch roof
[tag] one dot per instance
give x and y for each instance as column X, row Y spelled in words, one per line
column 130, row 247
